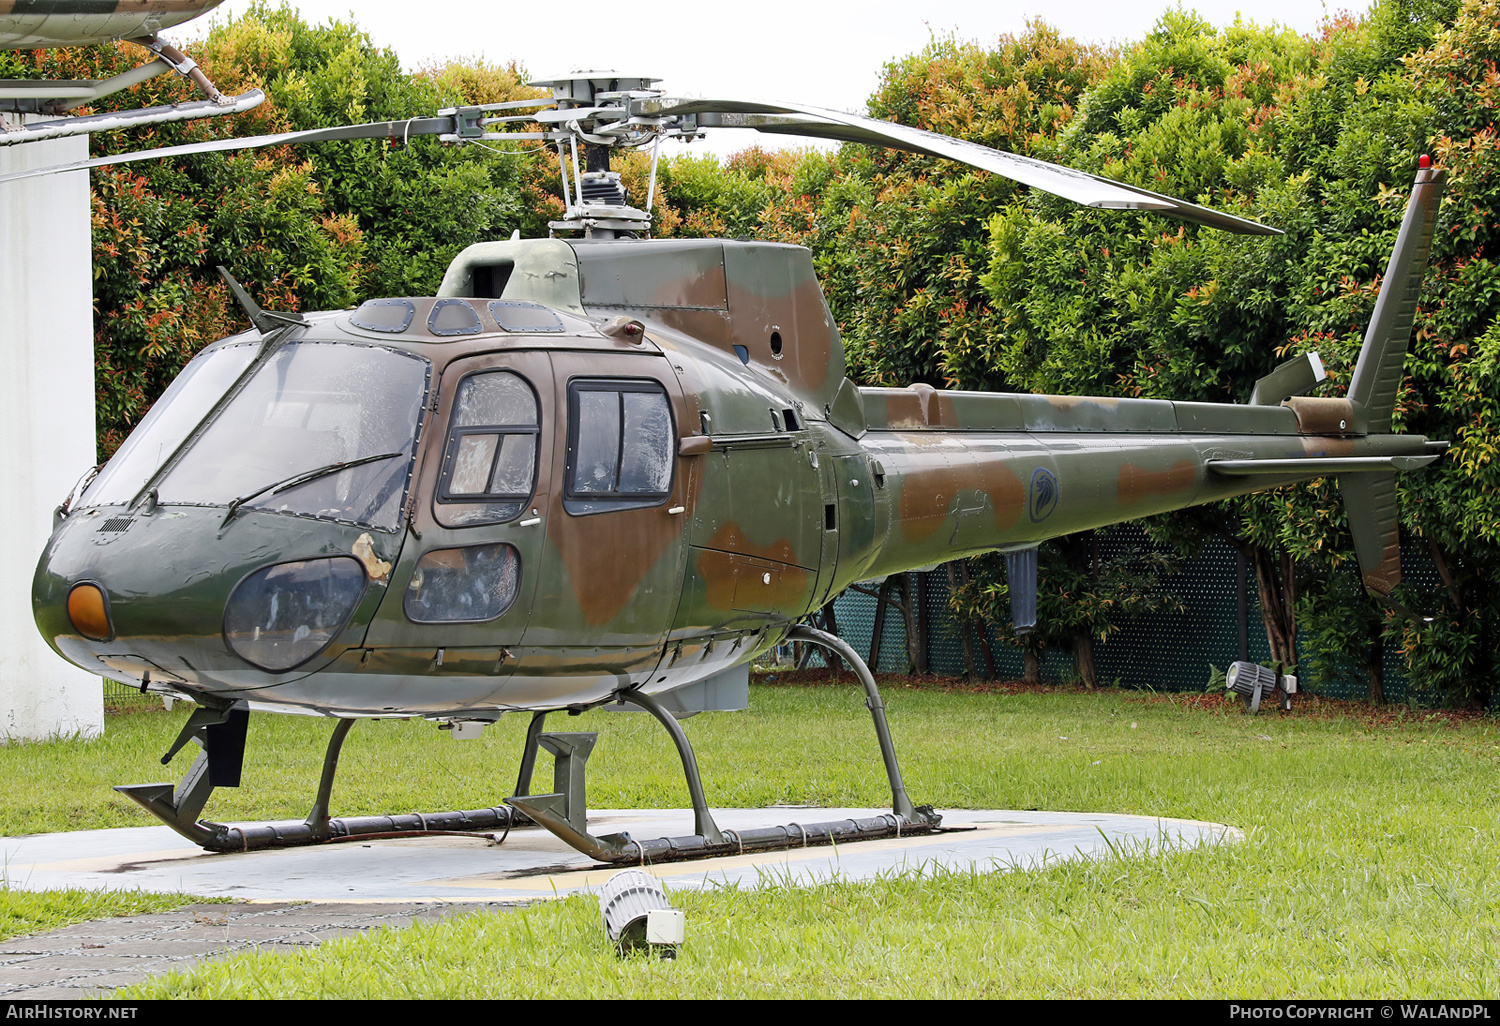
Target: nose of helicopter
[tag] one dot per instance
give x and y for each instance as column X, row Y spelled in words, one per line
column 181, row 597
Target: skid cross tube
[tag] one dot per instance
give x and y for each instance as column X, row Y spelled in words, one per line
column 528, row 754
column 317, row 817
column 703, row 820
column 900, row 804
column 563, row 812
column 556, row 811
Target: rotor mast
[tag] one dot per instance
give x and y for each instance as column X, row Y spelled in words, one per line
column 596, row 112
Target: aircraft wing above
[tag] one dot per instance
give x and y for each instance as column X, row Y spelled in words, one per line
column 1078, row 186
column 460, row 124
column 373, row 130
column 115, row 120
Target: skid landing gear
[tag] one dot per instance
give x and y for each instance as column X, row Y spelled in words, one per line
column 220, row 731
column 564, row 811
column 218, row 728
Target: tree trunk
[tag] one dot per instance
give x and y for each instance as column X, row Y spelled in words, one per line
column 921, row 617
column 877, row 633
column 1375, row 666
column 909, row 612
column 1031, row 661
column 1445, row 574
column 1083, row 655
column 1082, row 553
column 964, row 637
column 1278, row 596
column 981, row 629
column 989, row 653
column 1476, row 686
column 831, row 626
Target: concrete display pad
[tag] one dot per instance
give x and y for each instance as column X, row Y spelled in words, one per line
column 533, row 864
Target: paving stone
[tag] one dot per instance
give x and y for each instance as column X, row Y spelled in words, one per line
column 340, row 931
column 285, row 947
column 120, row 952
column 323, row 922
column 245, row 933
column 22, row 947
column 83, row 963
column 182, row 947
column 24, row 976
column 102, row 986
column 108, row 928
column 368, row 909
column 54, row 993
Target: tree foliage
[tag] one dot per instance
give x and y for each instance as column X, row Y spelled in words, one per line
column 940, row 274
column 319, row 228
column 951, row 277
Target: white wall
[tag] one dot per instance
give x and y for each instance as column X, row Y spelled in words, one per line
column 46, row 423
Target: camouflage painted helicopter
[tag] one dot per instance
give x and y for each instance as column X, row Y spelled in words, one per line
column 45, row 24
column 606, row 470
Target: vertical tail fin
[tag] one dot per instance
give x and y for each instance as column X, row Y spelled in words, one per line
column 1370, row 499
column 1377, row 376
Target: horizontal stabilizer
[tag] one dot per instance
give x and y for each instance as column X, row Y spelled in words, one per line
column 1319, row 465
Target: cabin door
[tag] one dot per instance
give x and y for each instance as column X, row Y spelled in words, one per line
column 613, row 561
column 461, row 595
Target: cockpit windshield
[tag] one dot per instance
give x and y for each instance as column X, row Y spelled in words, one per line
column 167, row 424
column 310, row 407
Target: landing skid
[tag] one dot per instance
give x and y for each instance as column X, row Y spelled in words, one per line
column 220, row 731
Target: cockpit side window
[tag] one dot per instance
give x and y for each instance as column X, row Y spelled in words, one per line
column 489, row 464
column 621, row 444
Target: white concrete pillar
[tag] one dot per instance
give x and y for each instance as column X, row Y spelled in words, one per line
column 46, row 423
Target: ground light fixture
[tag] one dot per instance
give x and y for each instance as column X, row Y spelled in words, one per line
column 637, row 914
column 1252, row 682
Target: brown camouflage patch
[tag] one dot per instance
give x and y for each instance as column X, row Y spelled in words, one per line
column 1136, row 484
column 731, row 556
column 927, row 495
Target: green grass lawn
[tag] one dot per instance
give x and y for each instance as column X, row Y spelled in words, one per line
column 1369, row 867
column 23, row 913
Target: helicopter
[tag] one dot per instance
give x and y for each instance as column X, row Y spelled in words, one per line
column 47, row 24
column 600, row 470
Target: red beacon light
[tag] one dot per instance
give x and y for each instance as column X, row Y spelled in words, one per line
column 623, row 327
column 1424, row 162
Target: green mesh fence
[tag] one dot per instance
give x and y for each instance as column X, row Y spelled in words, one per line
column 1162, row 652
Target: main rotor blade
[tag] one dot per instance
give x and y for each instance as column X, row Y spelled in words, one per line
column 373, row 130
column 1078, row 186
column 88, row 123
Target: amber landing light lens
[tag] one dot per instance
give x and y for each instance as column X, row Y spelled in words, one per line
column 89, row 611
